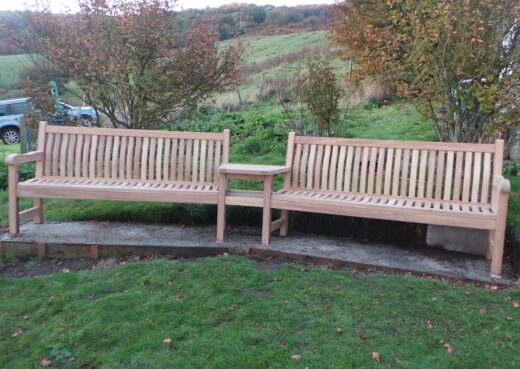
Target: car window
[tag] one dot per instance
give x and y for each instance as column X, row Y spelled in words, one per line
column 3, row 110
column 19, row 108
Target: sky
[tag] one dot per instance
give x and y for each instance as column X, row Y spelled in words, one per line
column 57, row 5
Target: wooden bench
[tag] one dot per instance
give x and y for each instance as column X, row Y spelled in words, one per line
column 117, row 164
column 423, row 182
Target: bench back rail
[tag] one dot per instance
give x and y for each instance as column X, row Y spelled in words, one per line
column 418, row 170
column 133, row 155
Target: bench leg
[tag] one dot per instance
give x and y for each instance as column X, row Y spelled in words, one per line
column 266, row 214
column 221, row 208
column 14, row 210
column 497, row 248
column 38, row 217
column 284, row 229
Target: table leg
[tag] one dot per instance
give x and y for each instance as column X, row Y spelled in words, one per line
column 266, row 218
column 221, row 207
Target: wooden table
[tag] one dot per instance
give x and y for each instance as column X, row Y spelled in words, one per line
column 261, row 199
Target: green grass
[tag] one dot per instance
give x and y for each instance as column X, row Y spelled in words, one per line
column 397, row 121
column 11, row 66
column 225, row 312
column 514, row 203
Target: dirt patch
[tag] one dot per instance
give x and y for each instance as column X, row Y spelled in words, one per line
column 36, row 267
column 267, row 265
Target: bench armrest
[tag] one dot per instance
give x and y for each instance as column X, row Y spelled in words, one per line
column 501, row 184
column 16, row 159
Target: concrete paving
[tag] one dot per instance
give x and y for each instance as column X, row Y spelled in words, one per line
column 115, row 238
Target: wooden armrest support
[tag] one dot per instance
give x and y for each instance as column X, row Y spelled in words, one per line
column 502, row 184
column 16, row 159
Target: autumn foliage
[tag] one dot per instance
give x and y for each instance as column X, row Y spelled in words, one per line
column 458, row 59
column 131, row 60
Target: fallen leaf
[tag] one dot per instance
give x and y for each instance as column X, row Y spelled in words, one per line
column 339, row 330
column 65, row 270
column 72, row 358
column 509, row 318
column 296, row 357
column 25, row 317
column 363, row 336
column 282, row 343
column 167, row 341
column 17, row 333
column 516, row 304
column 375, row 356
column 483, row 310
column 429, row 325
column 448, row 348
column 509, row 337
column 45, row 362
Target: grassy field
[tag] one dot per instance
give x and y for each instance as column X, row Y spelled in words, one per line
column 232, row 312
column 11, row 66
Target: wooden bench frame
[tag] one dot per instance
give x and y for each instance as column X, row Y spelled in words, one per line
column 117, row 164
column 447, row 184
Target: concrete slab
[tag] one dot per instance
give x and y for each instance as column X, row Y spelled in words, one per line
column 84, row 239
column 466, row 240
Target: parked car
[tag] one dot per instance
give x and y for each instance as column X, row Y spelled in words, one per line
column 11, row 114
column 13, row 110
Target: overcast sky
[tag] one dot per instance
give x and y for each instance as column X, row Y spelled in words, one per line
column 57, row 5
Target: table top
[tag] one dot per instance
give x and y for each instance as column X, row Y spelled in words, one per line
column 253, row 169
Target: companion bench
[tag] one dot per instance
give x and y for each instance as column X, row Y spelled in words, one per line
column 423, row 182
column 117, row 164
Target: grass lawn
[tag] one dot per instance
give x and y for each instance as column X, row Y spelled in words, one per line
column 232, row 312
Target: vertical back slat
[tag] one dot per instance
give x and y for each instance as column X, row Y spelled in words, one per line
column 217, row 157
column 85, row 157
column 486, row 178
column 459, row 160
column 203, row 160
column 122, row 157
column 341, row 168
column 405, row 170
column 388, row 171
column 296, row 165
column 195, row 161
column 372, row 170
column 174, row 166
column 303, row 166
column 99, row 156
column 108, row 156
column 422, row 174
column 63, row 155
column 210, row 162
column 144, row 158
column 159, row 161
column 364, row 169
column 70, row 155
column 129, row 156
column 355, row 169
column 412, row 186
column 348, row 171
column 396, row 175
column 136, row 172
column 439, row 175
column 449, row 176
column 56, row 154
column 477, row 168
column 187, row 162
column 310, row 167
column 115, row 157
column 317, row 168
column 48, row 153
column 92, row 158
column 432, row 162
column 333, row 166
column 151, row 158
column 468, row 162
column 380, row 170
column 325, row 170
column 77, row 157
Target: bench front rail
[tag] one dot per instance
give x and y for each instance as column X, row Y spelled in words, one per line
column 424, row 182
column 118, row 164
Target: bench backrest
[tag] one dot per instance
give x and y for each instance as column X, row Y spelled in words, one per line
column 127, row 154
column 407, row 169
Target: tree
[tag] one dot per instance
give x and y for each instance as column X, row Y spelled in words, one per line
column 321, row 95
column 132, row 62
column 459, row 59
